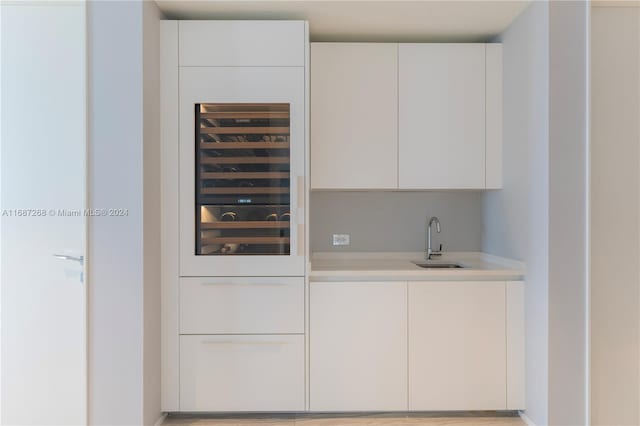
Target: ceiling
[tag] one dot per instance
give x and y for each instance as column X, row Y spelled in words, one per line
column 366, row 20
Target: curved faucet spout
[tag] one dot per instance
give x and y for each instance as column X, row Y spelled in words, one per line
column 437, row 221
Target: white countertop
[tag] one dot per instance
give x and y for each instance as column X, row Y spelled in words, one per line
column 398, row 266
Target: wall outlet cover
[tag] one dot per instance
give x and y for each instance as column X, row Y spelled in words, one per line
column 341, row 239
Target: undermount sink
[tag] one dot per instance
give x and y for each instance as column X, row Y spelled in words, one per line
column 438, row 265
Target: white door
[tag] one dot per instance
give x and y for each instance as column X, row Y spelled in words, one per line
column 457, row 346
column 358, row 346
column 441, row 118
column 43, row 317
column 354, row 115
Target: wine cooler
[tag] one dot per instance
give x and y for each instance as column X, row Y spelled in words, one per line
column 242, row 171
column 242, row 179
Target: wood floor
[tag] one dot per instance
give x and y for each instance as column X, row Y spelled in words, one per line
column 426, row 419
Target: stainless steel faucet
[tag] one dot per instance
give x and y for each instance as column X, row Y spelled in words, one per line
column 430, row 252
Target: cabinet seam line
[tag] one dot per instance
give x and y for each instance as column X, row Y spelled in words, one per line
column 485, row 116
column 506, row 347
column 407, row 367
column 398, row 118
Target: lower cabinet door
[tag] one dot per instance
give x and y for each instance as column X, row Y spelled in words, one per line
column 242, row 373
column 358, row 346
column 457, row 346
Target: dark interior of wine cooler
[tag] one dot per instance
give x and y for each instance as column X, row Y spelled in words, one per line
column 242, row 179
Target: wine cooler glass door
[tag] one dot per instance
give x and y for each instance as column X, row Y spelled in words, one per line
column 242, row 179
column 242, row 171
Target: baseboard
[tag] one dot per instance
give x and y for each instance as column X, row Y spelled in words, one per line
column 526, row 419
column 160, row 420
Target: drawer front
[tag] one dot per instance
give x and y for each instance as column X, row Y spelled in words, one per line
column 242, row 373
column 234, row 305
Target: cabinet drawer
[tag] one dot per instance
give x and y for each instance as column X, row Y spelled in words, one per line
column 234, row 305
column 242, row 373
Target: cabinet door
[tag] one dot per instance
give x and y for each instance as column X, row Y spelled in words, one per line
column 441, row 116
column 247, row 43
column 242, row 373
column 457, row 346
column 358, row 346
column 354, row 98
column 242, row 143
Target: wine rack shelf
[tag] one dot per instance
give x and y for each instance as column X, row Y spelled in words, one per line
column 253, row 224
column 268, row 190
column 245, row 160
column 244, row 115
column 246, row 240
column 245, row 130
column 244, row 175
column 244, row 145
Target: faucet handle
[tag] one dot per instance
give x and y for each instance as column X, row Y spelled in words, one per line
column 438, row 252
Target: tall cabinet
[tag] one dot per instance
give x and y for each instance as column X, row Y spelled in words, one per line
column 234, row 252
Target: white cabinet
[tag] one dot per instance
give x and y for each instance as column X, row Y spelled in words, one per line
column 354, row 128
column 417, row 346
column 242, row 43
column 406, row 116
column 242, row 373
column 441, row 116
column 457, row 346
column 358, row 346
column 243, row 305
column 234, row 158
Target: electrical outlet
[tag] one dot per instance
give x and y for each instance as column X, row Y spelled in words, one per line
column 341, row 239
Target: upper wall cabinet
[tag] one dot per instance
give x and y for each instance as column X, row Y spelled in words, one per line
column 242, row 43
column 450, row 116
column 354, row 95
column 442, row 116
column 406, row 116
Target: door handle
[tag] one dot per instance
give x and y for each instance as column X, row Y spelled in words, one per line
column 79, row 259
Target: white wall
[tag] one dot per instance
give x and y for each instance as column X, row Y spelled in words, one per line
column 123, row 277
column 615, row 231
column 516, row 218
column 1, row 41
column 540, row 215
column 568, row 115
column 115, row 249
